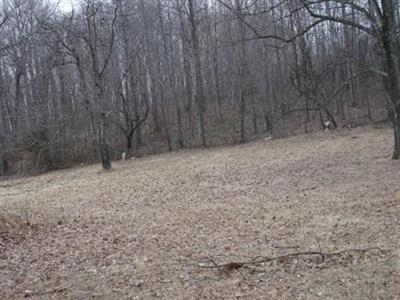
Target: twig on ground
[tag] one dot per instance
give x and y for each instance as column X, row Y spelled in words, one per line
column 286, row 247
column 28, row 293
column 258, row 260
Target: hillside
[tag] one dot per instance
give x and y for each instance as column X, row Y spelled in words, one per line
column 156, row 227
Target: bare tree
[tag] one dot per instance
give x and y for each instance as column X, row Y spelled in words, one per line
column 149, row 76
column 380, row 22
column 199, row 96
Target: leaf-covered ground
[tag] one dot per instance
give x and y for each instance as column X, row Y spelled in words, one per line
column 147, row 229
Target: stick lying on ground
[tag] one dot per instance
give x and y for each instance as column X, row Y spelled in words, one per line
column 258, row 260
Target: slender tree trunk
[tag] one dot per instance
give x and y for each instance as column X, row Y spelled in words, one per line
column 131, row 87
column 149, row 64
column 188, row 91
column 4, row 127
column 200, row 99
column 180, row 133
column 169, row 49
column 186, row 78
column 242, row 73
column 255, row 116
column 170, row 66
column 18, row 97
column 217, row 82
column 396, row 153
column 84, row 95
column 165, row 116
column 269, row 104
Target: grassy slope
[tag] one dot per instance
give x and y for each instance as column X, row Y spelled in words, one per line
column 141, row 230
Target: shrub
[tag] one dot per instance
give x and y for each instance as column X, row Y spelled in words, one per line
column 37, row 142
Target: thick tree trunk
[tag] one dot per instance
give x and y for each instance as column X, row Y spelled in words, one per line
column 104, row 132
column 267, row 123
column 392, row 79
column 129, row 138
column 105, row 156
column 104, row 145
column 4, row 166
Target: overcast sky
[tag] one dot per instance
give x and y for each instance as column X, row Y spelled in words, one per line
column 65, row 5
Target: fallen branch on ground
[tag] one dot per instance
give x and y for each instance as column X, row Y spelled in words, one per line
column 29, row 293
column 259, row 260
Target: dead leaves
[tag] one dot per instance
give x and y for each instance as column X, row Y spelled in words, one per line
column 131, row 232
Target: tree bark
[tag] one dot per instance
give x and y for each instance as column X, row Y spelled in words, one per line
column 104, row 144
column 392, row 79
column 396, row 153
column 242, row 73
column 199, row 97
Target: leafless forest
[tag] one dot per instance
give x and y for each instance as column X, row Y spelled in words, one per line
column 300, row 200
column 146, row 76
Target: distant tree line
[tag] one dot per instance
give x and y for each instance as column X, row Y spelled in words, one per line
column 146, row 76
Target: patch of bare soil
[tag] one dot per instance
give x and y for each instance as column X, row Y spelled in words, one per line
column 309, row 217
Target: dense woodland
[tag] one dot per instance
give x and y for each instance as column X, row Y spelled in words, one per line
column 145, row 76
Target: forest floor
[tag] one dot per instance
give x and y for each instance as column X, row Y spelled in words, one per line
column 164, row 226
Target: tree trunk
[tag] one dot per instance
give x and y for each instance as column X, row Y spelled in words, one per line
column 18, row 97
column 130, row 86
column 150, row 67
column 396, row 153
column 104, row 133
column 200, row 99
column 242, row 109
column 129, row 138
column 269, row 103
column 104, row 145
column 4, row 166
column 186, row 78
column 392, row 79
column 165, row 117
column 242, row 73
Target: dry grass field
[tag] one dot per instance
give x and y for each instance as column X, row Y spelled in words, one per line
column 162, row 227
